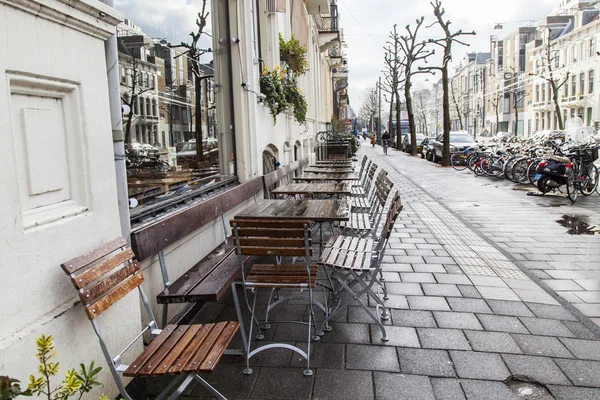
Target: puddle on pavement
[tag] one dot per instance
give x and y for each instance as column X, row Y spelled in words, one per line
column 529, row 390
column 578, row 224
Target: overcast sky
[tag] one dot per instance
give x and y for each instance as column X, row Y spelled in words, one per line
column 367, row 24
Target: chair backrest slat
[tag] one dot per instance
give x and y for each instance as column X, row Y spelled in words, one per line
column 272, row 238
column 84, row 278
column 104, row 275
column 93, row 255
column 392, row 216
column 95, row 292
column 104, row 303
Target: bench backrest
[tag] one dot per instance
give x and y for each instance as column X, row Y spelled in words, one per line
column 104, row 275
column 272, row 238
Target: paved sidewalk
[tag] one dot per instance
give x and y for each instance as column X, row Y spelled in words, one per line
column 467, row 316
column 529, row 229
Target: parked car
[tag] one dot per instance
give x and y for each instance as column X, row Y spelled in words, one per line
column 187, row 155
column 459, row 141
column 406, row 147
column 427, row 147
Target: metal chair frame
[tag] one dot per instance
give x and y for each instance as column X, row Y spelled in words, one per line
column 352, row 285
column 115, row 364
column 254, row 289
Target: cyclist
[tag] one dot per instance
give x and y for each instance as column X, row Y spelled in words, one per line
column 384, row 139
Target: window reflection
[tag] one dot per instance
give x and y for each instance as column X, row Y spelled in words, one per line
column 168, row 97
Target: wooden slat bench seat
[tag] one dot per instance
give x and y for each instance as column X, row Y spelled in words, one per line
column 184, row 348
column 206, row 281
column 281, row 276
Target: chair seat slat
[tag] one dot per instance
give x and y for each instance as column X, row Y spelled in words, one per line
column 152, row 348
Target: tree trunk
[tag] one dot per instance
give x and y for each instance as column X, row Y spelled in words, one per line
column 516, row 117
column 446, row 107
column 391, row 118
column 411, row 116
column 198, row 102
column 561, row 125
column 128, row 124
column 497, row 117
column 398, row 126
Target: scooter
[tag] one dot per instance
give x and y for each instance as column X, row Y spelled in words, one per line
column 554, row 172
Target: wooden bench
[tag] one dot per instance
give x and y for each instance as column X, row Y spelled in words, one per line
column 105, row 275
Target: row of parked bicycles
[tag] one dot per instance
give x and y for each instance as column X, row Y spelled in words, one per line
column 547, row 163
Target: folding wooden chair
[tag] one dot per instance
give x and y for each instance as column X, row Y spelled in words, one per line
column 278, row 239
column 364, row 185
column 363, row 223
column 367, row 202
column 354, row 264
column 108, row 273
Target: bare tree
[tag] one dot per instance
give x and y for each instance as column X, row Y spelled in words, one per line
column 548, row 74
column 495, row 102
column 446, row 44
column 422, row 98
column 393, row 80
column 135, row 88
column 413, row 52
column 516, row 91
column 459, row 106
column 370, row 106
column 194, row 53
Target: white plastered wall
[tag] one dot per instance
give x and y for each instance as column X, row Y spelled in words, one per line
column 58, row 183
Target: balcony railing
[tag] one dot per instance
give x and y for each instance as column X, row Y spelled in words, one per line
column 329, row 24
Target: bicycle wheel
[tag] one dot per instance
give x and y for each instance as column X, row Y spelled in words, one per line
column 458, row 161
column 590, row 182
column 519, row 170
column 508, row 168
column 531, row 171
column 571, row 188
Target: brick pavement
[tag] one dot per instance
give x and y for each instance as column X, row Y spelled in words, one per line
column 465, row 318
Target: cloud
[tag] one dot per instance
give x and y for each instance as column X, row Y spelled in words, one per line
column 367, row 25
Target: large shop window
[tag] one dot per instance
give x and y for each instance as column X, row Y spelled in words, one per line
column 177, row 125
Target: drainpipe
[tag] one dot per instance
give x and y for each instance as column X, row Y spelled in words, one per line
column 114, row 95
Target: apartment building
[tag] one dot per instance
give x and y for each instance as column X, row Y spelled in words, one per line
column 467, row 94
column 566, row 48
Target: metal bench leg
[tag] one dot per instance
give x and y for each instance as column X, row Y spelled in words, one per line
column 176, row 380
column 166, row 283
column 209, row 387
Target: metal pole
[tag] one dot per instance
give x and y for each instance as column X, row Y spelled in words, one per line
column 114, row 95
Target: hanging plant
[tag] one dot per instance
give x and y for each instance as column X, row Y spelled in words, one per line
column 295, row 99
column 282, row 93
column 294, row 55
column 271, row 85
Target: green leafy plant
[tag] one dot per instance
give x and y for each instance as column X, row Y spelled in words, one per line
column 353, row 145
column 271, row 85
column 282, row 93
column 295, row 99
column 74, row 384
column 294, row 55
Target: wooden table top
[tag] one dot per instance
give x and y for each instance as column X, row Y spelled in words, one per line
column 313, row 210
column 334, row 162
column 333, row 170
column 314, row 188
column 326, row 177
